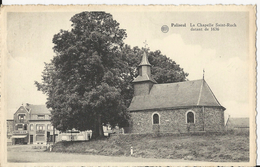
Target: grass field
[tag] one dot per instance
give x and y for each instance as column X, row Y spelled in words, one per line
column 198, row 147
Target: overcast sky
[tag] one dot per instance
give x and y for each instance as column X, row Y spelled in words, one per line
column 223, row 54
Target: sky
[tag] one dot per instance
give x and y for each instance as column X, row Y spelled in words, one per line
column 222, row 54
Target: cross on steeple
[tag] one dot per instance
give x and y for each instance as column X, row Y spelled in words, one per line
column 145, row 43
column 203, row 73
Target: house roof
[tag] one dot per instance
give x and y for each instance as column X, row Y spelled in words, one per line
column 176, row 95
column 38, row 109
column 238, row 122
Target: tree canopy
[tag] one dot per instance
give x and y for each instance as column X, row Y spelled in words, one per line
column 88, row 82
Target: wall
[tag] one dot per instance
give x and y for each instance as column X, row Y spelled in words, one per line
column 34, row 132
column 142, row 88
column 10, row 129
column 214, row 119
column 174, row 120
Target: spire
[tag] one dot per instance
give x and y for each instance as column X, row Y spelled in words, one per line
column 144, row 70
column 144, row 61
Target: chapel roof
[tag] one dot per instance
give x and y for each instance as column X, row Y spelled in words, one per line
column 176, row 95
column 144, row 78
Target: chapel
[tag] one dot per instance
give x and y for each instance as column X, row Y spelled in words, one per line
column 180, row 107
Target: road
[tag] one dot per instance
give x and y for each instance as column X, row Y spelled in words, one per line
column 26, row 154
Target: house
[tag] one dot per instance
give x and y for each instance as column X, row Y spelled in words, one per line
column 31, row 125
column 238, row 124
column 40, row 128
column 180, row 107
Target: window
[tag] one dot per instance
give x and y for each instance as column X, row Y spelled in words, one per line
column 31, row 127
column 155, row 119
column 49, row 127
column 40, row 116
column 25, row 127
column 21, row 117
column 190, row 117
column 40, row 127
column 40, row 138
column 20, row 127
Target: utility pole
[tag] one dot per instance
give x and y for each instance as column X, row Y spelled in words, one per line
column 53, row 135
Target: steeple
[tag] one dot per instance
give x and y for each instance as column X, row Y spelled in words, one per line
column 143, row 82
column 144, row 61
column 144, row 71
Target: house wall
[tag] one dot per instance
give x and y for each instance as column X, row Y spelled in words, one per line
column 39, row 136
column 20, row 123
column 174, row 120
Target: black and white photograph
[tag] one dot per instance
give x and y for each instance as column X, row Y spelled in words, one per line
column 128, row 85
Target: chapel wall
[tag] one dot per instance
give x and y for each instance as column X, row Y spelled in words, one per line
column 171, row 121
column 214, row 119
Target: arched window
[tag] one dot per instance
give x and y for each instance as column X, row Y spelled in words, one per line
column 190, row 117
column 155, row 118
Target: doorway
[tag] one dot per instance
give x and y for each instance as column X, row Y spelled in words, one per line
column 19, row 141
column 31, row 139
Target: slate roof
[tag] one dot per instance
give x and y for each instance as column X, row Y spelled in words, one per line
column 176, row 95
column 144, row 61
column 38, row 109
column 238, row 122
column 144, row 78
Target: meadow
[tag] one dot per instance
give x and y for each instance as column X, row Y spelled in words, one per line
column 215, row 147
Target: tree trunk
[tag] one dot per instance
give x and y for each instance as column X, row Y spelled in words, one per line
column 97, row 128
column 100, row 127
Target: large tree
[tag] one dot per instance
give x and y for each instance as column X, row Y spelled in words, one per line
column 88, row 82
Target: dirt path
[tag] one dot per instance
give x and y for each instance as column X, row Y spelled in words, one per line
column 24, row 154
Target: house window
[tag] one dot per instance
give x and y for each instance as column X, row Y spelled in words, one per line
column 40, row 116
column 190, row 115
column 21, row 117
column 25, row 126
column 31, row 127
column 155, row 119
column 40, row 127
column 40, row 138
column 49, row 127
column 20, row 127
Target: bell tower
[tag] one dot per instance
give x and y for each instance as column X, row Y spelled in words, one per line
column 143, row 82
